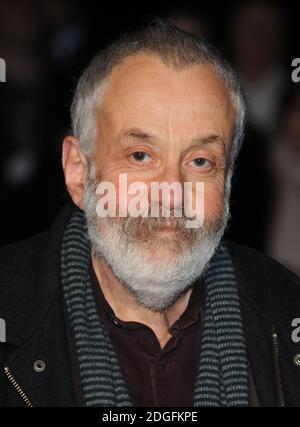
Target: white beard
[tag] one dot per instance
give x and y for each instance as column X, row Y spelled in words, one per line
column 156, row 282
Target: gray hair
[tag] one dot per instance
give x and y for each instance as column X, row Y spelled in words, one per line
column 177, row 49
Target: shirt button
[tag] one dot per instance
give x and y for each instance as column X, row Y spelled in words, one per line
column 297, row 360
column 39, row 366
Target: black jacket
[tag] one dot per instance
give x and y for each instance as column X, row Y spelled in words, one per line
column 31, row 303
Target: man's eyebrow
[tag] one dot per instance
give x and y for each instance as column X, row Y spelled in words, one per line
column 210, row 139
column 136, row 133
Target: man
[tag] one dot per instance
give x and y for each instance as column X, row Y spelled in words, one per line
column 151, row 308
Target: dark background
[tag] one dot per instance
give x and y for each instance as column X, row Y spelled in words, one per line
column 46, row 45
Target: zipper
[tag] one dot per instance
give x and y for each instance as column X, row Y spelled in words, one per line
column 279, row 385
column 18, row 388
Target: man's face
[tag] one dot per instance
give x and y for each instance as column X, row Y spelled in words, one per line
column 156, row 124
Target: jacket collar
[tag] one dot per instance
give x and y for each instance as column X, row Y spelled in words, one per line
column 272, row 290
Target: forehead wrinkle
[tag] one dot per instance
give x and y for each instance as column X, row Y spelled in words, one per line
column 165, row 103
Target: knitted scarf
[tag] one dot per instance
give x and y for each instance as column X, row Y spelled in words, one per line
column 222, row 378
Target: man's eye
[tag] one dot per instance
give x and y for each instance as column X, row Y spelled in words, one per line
column 201, row 162
column 140, row 156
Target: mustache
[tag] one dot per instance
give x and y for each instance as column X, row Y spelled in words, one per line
column 143, row 228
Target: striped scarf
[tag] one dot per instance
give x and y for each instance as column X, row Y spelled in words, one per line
column 222, row 378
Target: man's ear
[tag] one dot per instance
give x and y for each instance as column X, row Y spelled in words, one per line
column 75, row 166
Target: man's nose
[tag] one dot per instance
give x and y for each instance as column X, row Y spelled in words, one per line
column 168, row 189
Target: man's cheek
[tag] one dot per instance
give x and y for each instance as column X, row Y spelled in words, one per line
column 213, row 202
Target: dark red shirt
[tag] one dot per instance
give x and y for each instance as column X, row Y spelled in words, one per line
column 155, row 376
